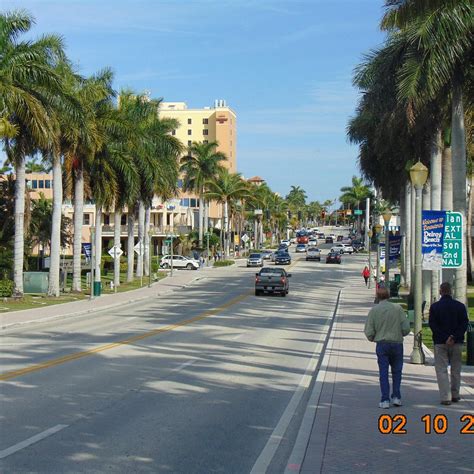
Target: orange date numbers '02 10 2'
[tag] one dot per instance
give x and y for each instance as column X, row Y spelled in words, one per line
column 437, row 424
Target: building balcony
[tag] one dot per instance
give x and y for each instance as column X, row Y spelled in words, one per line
column 157, row 231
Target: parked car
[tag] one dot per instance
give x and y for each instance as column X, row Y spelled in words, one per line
column 255, row 260
column 282, row 258
column 313, row 253
column 300, row 248
column 179, row 262
column 272, row 280
column 333, row 257
column 266, row 254
column 329, row 240
column 344, row 248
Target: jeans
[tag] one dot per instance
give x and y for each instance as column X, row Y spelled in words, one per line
column 390, row 354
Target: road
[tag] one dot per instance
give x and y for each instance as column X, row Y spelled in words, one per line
column 210, row 379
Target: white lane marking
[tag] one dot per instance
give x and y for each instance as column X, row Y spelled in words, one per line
column 184, row 365
column 28, row 442
column 266, row 456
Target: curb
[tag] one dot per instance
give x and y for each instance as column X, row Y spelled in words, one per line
column 97, row 310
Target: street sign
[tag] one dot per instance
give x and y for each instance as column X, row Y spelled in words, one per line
column 115, row 252
column 87, row 249
column 358, row 212
column 453, row 241
column 245, row 238
column 167, row 241
column 139, row 247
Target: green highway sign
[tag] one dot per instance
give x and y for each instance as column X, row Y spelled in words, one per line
column 167, row 241
column 453, row 241
column 358, row 212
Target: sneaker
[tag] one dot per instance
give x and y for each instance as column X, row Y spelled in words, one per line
column 446, row 402
column 456, row 399
column 384, row 404
column 396, row 402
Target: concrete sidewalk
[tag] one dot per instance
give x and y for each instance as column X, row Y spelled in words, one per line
column 343, row 415
column 180, row 279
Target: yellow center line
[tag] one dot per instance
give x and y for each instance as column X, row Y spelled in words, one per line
column 79, row 355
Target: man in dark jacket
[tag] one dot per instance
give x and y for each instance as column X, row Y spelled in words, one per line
column 448, row 322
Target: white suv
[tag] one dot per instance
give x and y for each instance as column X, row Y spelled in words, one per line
column 179, row 262
column 343, row 248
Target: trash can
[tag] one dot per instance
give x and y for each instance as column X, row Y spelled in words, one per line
column 97, row 288
column 470, row 344
column 394, row 286
column 397, row 277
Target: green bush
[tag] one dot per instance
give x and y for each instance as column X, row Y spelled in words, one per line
column 6, row 288
column 223, row 263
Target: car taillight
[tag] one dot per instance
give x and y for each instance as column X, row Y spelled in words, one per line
column 283, row 279
column 257, row 279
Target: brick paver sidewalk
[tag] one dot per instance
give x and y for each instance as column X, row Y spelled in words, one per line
column 345, row 436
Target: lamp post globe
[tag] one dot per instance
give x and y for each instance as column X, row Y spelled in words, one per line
column 418, row 177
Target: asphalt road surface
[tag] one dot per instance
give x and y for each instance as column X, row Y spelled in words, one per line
column 209, row 379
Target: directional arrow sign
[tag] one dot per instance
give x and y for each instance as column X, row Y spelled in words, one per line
column 115, row 252
column 245, row 237
column 139, row 248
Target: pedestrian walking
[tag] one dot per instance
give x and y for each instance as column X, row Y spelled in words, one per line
column 448, row 322
column 387, row 325
column 366, row 274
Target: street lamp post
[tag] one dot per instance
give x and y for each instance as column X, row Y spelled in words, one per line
column 369, row 235
column 378, row 230
column 150, row 256
column 418, row 177
column 387, row 215
column 92, row 230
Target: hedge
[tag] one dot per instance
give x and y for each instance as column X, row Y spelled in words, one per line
column 6, row 288
column 223, row 263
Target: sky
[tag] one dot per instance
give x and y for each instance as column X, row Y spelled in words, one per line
column 285, row 67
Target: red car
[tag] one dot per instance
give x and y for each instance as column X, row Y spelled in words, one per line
column 333, row 257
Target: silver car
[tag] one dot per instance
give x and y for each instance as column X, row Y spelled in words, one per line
column 255, row 260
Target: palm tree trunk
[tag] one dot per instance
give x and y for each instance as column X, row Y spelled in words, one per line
column 19, row 246
column 147, row 241
column 447, row 180
column 427, row 275
column 458, row 144
column 206, row 217
column 201, row 209
column 98, row 243
column 226, row 228
column 469, row 230
column 53, row 287
column 141, row 228
column 436, row 160
column 130, row 243
column 117, row 222
column 408, row 232
column 78, row 221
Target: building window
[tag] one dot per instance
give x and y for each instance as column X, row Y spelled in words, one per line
column 106, row 219
column 47, row 184
column 190, row 142
column 185, row 202
column 193, row 202
column 205, row 131
column 123, row 219
column 34, row 184
column 173, row 132
column 180, row 183
column 231, row 143
column 190, row 132
column 41, row 184
column 190, row 121
column 205, row 142
column 205, row 121
column 87, row 219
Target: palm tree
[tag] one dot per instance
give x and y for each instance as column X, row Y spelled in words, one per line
column 200, row 166
column 29, row 81
column 227, row 188
column 442, row 34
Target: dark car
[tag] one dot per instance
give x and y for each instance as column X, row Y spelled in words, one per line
column 329, row 240
column 282, row 258
column 333, row 257
column 358, row 245
column 272, row 280
column 339, row 238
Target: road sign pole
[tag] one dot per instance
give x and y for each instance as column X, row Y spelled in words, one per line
column 171, row 254
column 91, row 297
column 115, row 258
